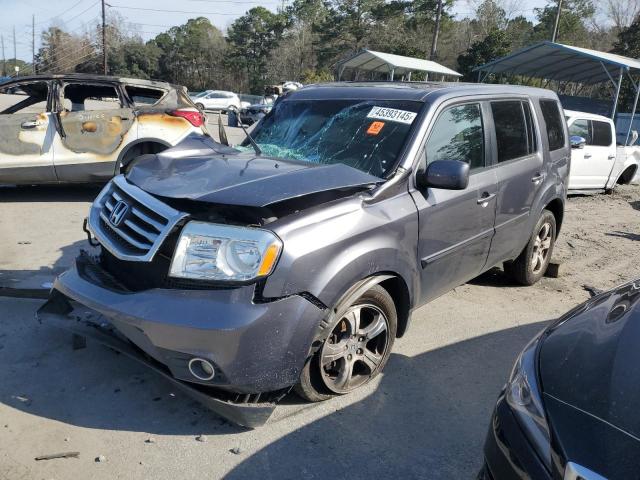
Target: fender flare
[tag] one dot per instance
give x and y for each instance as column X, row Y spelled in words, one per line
column 127, row 149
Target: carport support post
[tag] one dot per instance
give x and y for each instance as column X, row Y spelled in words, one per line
column 615, row 101
column 392, row 73
column 633, row 113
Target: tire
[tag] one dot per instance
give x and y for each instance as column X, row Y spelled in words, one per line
column 364, row 355
column 132, row 155
column 200, row 106
column 532, row 263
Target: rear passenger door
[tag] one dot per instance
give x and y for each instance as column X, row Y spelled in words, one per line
column 456, row 226
column 520, row 174
column 96, row 124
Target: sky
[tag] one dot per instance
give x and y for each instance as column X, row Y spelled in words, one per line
column 148, row 17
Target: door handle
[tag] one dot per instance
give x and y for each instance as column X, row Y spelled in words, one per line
column 587, row 155
column 537, row 178
column 484, row 199
column 29, row 124
column 611, row 157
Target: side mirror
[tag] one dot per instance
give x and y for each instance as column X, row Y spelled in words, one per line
column 445, row 174
column 577, row 141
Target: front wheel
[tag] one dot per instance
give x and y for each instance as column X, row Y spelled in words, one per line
column 532, row 263
column 354, row 351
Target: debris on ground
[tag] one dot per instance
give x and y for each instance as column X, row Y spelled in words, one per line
column 100, row 459
column 201, row 438
column 150, row 440
column 593, row 291
column 58, row 455
column 236, row 451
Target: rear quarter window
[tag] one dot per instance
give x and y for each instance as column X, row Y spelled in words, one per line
column 141, row 96
column 553, row 120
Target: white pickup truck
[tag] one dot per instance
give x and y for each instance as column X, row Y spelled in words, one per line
column 597, row 162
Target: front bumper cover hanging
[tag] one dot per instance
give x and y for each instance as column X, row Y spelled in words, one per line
column 60, row 312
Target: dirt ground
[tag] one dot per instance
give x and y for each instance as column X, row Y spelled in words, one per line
column 426, row 416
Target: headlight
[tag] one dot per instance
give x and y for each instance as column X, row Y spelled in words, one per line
column 207, row 251
column 524, row 397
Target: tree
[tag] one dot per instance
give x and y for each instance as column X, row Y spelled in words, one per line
column 494, row 45
column 252, row 37
column 61, row 52
column 572, row 29
column 628, row 44
column 622, row 12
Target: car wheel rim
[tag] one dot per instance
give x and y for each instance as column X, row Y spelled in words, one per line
column 354, row 351
column 541, row 248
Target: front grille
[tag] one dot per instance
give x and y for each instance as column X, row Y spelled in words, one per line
column 130, row 223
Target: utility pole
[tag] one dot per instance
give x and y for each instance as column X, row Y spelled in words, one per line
column 4, row 61
column 104, row 41
column 33, row 44
column 436, row 32
column 15, row 55
column 557, row 22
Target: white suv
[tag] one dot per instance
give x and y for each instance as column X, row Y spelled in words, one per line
column 218, row 100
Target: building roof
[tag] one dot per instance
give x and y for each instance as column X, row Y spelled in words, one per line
column 372, row 61
column 556, row 61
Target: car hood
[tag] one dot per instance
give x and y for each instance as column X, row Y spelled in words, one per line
column 206, row 171
column 590, row 360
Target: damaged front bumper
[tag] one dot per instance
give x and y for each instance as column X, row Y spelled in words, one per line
column 257, row 349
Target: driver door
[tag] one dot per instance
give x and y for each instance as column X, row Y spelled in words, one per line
column 26, row 134
column 456, row 226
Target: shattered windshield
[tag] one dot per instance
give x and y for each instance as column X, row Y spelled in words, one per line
column 364, row 134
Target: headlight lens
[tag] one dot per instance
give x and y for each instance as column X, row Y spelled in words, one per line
column 208, row 251
column 524, row 397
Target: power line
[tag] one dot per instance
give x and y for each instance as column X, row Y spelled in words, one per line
column 60, row 14
column 173, row 11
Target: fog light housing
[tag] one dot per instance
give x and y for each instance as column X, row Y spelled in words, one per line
column 202, row 369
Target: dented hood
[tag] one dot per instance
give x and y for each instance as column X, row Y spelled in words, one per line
column 240, row 178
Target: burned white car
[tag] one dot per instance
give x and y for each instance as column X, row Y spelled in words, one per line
column 87, row 128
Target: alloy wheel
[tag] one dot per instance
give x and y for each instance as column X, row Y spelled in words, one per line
column 355, row 349
column 541, row 247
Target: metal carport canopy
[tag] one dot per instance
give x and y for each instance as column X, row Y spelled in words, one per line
column 555, row 61
column 372, row 61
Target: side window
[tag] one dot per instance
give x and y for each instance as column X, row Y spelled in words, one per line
column 512, row 132
column 553, row 119
column 142, row 96
column 581, row 128
column 80, row 97
column 24, row 98
column 458, row 135
column 601, row 134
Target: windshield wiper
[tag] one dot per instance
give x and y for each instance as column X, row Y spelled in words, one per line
column 251, row 140
column 223, row 135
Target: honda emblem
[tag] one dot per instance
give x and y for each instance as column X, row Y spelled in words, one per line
column 118, row 213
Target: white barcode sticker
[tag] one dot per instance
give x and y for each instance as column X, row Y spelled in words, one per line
column 392, row 114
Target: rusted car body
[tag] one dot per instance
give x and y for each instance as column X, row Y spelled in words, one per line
column 87, row 128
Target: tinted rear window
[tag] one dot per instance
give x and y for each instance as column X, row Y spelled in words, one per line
column 513, row 133
column 553, row 119
column 601, row 134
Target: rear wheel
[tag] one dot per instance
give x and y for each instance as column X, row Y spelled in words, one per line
column 200, row 106
column 129, row 159
column 354, row 351
column 532, row 263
